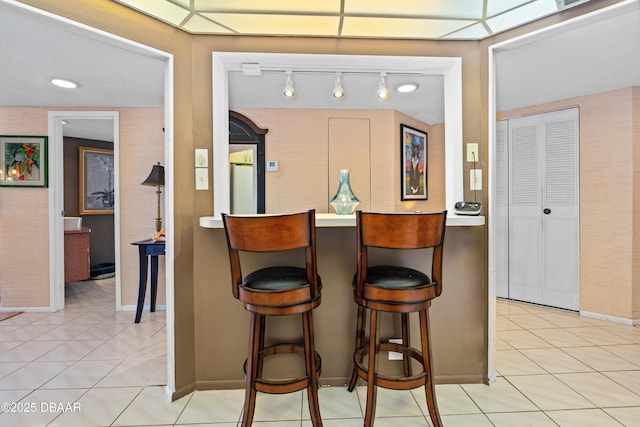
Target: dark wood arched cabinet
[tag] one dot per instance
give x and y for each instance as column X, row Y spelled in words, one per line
column 243, row 131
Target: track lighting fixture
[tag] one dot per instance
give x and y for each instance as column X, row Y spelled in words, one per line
column 338, row 91
column 383, row 92
column 289, row 91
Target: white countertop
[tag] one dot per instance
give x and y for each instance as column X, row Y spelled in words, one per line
column 324, row 220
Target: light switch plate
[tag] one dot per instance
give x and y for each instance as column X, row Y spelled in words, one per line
column 202, row 158
column 202, row 178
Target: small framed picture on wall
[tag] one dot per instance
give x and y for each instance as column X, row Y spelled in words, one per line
column 414, row 163
column 24, row 161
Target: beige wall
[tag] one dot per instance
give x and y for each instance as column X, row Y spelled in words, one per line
column 609, row 177
column 27, row 209
column 24, row 224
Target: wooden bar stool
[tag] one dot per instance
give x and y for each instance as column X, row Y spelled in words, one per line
column 276, row 291
column 396, row 289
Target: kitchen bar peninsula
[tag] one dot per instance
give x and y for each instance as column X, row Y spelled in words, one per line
column 458, row 316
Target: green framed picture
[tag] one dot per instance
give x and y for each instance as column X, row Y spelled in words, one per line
column 24, row 161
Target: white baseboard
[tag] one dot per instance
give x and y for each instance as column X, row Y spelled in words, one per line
column 27, row 309
column 614, row 319
column 144, row 308
column 49, row 310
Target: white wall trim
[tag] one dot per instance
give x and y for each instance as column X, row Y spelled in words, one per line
column 449, row 67
column 146, row 307
column 169, row 223
column 614, row 319
column 56, row 199
column 27, row 309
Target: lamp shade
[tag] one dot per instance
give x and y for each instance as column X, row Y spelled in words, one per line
column 156, row 177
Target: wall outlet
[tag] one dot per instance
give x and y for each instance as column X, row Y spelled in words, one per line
column 475, row 178
column 472, row 152
column 202, row 178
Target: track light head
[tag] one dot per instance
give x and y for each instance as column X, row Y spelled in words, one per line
column 338, row 90
column 383, row 93
column 289, row 91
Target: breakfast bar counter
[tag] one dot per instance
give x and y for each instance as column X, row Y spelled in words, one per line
column 458, row 317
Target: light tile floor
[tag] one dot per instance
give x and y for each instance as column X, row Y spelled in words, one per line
column 90, row 366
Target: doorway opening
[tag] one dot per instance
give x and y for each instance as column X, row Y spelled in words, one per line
column 74, row 243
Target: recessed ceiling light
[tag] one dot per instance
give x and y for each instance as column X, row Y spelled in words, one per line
column 407, row 87
column 67, row 84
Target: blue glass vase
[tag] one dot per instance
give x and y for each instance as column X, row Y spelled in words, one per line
column 344, row 202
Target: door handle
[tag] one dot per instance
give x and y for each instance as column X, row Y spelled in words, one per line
column 546, row 211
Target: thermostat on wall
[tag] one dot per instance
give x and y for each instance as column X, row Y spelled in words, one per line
column 272, row 166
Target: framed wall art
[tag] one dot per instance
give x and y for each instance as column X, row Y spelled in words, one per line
column 96, row 186
column 24, row 161
column 414, row 163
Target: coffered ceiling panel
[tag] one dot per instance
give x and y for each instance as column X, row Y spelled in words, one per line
column 399, row 28
column 271, row 6
column 301, row 25
column 408, row 19
column 452, row 9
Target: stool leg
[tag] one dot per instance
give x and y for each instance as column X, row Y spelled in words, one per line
column 261, row 326
column 426, row 355
column 406, row 359
column 253, row 364
column 372, row 390
column 359, row 341
column 310, row 363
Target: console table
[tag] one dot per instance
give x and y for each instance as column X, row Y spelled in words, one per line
column 148, row 249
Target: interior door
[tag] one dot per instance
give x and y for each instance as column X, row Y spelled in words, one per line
column 544, row 209
column 524, row 210
column 560, row 213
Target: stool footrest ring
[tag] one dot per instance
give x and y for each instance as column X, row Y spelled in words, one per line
column 286, row 385
column 391, row 381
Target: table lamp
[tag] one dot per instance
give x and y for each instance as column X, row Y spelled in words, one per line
column 156, row 179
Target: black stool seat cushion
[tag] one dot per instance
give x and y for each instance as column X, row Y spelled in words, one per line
column 392, row 276
column 276, row 278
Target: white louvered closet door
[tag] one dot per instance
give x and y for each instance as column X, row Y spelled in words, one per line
column 544, row 209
